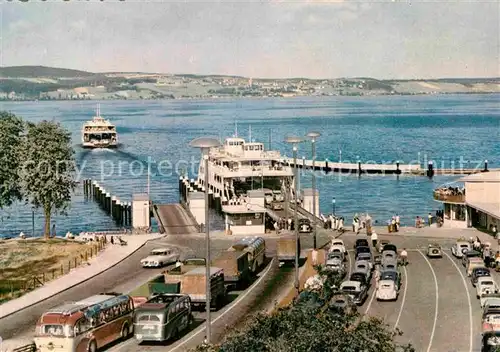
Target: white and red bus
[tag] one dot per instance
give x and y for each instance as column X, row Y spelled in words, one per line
column 86, row 325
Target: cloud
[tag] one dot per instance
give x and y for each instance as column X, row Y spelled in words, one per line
column 259, row 39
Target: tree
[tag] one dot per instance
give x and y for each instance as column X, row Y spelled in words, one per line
column 48, row 169
column 11, row 131
column 312, row 323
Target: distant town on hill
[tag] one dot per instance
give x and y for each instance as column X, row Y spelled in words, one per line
column 50, row 83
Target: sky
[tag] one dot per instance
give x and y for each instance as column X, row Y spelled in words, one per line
column 391, row 39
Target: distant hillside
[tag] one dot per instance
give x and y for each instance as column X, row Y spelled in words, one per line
column 41, row 71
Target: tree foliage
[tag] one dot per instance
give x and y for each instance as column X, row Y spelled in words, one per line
column 11, row 130
column 312, row 324
column 48, row 168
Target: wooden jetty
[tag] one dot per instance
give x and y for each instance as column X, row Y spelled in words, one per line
column 395, row 168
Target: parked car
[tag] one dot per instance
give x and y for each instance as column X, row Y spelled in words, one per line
column 337, row 265
column 459, row 247
column 477, row 273
column 342, row 301
column 381, row 244
column 434, row 251
column 361, row 242
column 278, row 196
column 491, row 301
column 360, row 277
column 389, row 247
column 336, row 243
column 362, row 249
column 160, row 257
column 363, row 266
column 485, row 286
column 304, row 225
column 389, row 265
column 366, row 257
column 473, row 263
column 388, row 256
column 386, row 291
column 393, row 275
column 335, row 254
column 470, row 254
column 356, row 290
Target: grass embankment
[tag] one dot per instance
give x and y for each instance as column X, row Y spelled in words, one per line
column 27, row 264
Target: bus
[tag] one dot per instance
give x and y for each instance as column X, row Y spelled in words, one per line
column 86, row 325
column 162, row 317
column 256, row 248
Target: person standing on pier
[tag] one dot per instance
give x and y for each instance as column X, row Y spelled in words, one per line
column 340, row 224
column 398, row 223
column 430, row 219
column 355, row 224
column 374, row 239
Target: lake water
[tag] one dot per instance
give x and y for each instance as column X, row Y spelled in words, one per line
column 447, row 129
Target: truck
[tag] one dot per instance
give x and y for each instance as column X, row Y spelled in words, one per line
column 175, row 274
column 236, row 267
column 193, row 283
column 287, row 247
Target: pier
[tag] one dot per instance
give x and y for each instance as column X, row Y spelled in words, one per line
column 120, row 211
column 383, row 169
column 174, row 219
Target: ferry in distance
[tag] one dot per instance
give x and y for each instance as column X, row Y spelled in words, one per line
column 99, row 133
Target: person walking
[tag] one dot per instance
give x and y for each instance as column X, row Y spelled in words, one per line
column 374, row 238
column 398, row 222
column 430, row 219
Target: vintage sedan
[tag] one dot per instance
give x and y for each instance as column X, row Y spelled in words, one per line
column 336, row 265
column 490, row 329
column 491, row 301
column 361, row 242
column 381, row 244
column 477, row 273
column 366, row 257
column 389, row 247
column 388, row 256
column 389, row 265
column 356, row 290
column 470, row 254
column 362, row 249
column 336, row 243
column 434, row 251
column 342, row 301
column 335, row 253
column 391, row 274
column 363, row 266
column 160, row 257
column 337, row 249
column 485, row 286
column 459, row 247
column 386, row 291
column 304, row 225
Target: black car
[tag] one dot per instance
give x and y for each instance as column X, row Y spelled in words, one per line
column 359, row 277
column 390, row 247
column 362, row 249
column 361, row 243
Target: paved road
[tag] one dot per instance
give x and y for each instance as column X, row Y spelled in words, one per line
column 176, row 220
column 437, row 309
column 121, row 278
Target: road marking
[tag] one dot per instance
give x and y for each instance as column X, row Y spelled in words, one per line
column 404, row 298
column 468, row 300
column 234, row 304
column 437, row 299
column 350, row 265
column 370, row 302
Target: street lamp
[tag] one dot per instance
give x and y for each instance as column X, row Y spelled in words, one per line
column 333, row 205
column 294, row 141
column 313, row 136
column 205, row 143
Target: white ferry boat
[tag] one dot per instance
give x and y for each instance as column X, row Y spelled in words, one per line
column 99, row 133
column 239, row 166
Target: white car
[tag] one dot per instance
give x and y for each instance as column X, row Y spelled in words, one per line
column 386, row 291
column 160, row 257
column 485, row 285
column 338, row 244
column 278, row 196
column 337, row 249
column 491, row 302
column 460, row 247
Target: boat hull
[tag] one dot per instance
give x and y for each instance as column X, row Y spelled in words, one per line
column 101, row 146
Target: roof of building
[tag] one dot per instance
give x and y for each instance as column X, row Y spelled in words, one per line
column 492, row 209
column 490, row 176
column 243, row 209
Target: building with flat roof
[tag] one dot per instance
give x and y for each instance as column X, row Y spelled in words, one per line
column 476, row 204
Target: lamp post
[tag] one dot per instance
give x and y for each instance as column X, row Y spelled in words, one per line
column 205, row 143
column 33, row 222
column 294, row 141
column 333, row 205
column 313, row 136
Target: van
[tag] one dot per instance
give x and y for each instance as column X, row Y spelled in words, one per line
column 474, row 262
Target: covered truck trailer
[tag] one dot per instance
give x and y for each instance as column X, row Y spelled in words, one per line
column 286, row 248
column 193, row 284
column 236, row 267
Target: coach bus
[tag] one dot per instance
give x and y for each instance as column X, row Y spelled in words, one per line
column 256, row 248
column 86, row 325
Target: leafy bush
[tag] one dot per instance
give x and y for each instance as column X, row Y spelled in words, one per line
column 310, row 324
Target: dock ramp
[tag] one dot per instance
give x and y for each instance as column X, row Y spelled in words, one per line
column 174, row 219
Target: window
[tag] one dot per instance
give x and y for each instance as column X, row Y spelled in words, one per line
column 83, row 325
column 148, row 317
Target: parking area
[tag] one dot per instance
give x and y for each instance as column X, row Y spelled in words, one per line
column 437, row 308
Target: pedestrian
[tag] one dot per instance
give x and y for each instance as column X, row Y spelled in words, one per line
column 314, row 256
column 356, row 224
column 393, row 224
column 389, row 226
column 430, row 219
column 398, row 223
column 487, row 257
column 374, row 238
column 112, row 240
